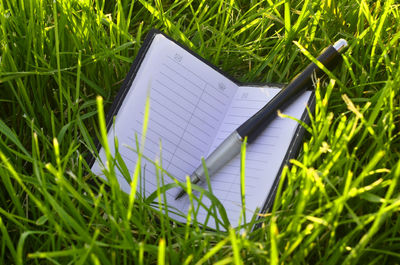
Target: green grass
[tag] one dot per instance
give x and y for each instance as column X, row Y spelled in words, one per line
column 338, row 204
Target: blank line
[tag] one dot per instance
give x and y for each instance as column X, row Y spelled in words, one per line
column 247, row 167
column 198, row 76
column 183, row 160
column 202, row 121
column 163, row 127
column 183, row 118
column 179, row 168
column 174, row 81
column 228, row 182
column 128, row 158
column 179, row 74
column 219, row 90
column 268, row 136
column 147, row 150
column 217, row 99
column 226, row 131
column 231, row 174
column 237, row 124
column 200, row 129
column 230, row 191
column 174, row 144
column 180, row 140
column 239, row 207
column 212, row 106
column 197, row 137
column 165, row 149
column 170, row 100
column 154, row 131
column 260, row 137
column 260, row 153
column 209, row 115
column 222, row 190
column 237, row 180
column 193, row 104
column 257, row 160
column 251, row 177
column 195, row 147
column 241, row 107
column 151, row 183
column 195, row 158
column 154, row 143
column 149, row 128
column 265, row 144
column 167, row 118
column 254, row 100
column 238, row 115
column 232, row 123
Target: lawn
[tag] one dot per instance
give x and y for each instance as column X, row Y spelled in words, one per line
column 337, row 204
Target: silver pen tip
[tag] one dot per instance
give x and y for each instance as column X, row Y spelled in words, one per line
column 340, row 45
column 193, row 179
column 180, row 194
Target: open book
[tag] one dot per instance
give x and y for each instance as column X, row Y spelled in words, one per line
column 193, row 107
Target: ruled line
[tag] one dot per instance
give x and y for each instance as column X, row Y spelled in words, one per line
column 242, row 107
column 215, row 98
column 164, row 149
column 161, row 104
column 217, row 110
column 208, row 114
column 180, row 85
column 191, row 103
column 172, row 91
column 166, row 118
column 253, row 100
column 199, row 77
column 179, row 74
column 180, row 140
column 166, row 139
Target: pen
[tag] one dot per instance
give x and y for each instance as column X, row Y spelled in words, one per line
column 256, row 124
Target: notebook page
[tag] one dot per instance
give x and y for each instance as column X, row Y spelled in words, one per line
column 188, row 100
column 263, row 157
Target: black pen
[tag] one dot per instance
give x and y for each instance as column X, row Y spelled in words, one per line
column 253, row 127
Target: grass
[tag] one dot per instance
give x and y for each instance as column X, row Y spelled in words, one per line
column 338, row 204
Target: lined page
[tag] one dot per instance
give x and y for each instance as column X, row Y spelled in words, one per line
column 188, row 101
column 263, row 157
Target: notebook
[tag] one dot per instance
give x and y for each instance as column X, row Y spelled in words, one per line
column 194, row 106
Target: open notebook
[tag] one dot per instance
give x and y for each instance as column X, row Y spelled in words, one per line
column 193, row 107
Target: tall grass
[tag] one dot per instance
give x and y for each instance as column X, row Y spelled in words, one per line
column 338, row 203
